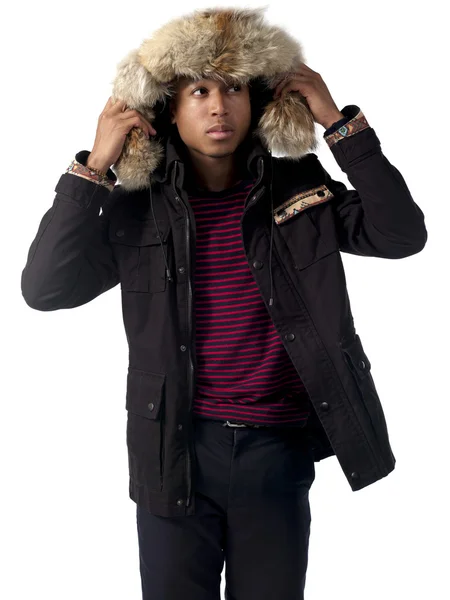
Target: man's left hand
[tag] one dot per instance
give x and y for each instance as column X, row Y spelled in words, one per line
column 311, row 85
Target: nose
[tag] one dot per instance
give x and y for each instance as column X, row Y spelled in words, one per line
column 218, row 104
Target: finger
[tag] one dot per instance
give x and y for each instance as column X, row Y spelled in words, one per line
column 287, row 77
column 126, row 109
column 118, row 106
column 292, row 86
column 285, row 90
column 141, row 123
column 279, row 88
column 107, row 105
column 305, row 67
column 149, row 125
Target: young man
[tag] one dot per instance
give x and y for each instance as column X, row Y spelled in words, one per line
column 245, row 366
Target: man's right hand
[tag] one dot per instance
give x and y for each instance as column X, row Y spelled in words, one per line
column 114, row 123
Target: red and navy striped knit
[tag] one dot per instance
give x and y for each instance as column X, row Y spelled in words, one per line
column 244, row 373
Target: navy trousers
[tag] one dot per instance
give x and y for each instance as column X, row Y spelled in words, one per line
column 252, row 513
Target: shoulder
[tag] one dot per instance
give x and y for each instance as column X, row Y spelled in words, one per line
column 306, row 166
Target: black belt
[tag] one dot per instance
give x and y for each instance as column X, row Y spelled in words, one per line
column 232, row 423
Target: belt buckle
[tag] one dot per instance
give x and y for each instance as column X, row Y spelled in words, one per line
column 230, row 424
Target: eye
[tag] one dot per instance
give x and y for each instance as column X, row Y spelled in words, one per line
column 239, row 87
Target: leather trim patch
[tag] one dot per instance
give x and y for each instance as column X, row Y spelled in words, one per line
column 300, row 201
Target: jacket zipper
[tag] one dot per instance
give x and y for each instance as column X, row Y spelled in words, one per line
column 191, row 365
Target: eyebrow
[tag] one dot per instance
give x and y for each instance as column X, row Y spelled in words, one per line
column 198, row 82
column 206, row 80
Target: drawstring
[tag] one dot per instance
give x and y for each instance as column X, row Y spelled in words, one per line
column 168, row 273
column 271, row 231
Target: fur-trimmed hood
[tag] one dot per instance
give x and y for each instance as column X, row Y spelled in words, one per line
column 231, row 45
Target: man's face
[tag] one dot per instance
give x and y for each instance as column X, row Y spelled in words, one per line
column 200, row 105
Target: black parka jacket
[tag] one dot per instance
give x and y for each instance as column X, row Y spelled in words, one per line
column 78, row 254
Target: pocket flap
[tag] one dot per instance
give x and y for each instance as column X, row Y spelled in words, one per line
column 358, row 359
column 300, row 201
column 144, row 393
column 138, row 233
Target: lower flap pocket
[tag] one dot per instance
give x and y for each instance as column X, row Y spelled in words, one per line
column 144, row 393
column 145, row 428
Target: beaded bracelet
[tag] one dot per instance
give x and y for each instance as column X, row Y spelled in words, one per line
column 101, row 173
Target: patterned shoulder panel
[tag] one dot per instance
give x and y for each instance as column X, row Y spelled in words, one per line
column 300, row 201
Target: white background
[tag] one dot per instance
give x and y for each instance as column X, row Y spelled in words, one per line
column 68, row 527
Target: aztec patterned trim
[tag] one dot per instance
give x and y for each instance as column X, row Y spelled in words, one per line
column 76, row 168
column 355, row 125
column 300, row 201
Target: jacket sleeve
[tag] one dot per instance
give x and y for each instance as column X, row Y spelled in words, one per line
column 379, row 217
column 70, row 261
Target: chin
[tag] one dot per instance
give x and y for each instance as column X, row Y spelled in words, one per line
column 218, row 150
column 220, row 153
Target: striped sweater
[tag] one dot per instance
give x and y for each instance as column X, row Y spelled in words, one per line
column 244, row 373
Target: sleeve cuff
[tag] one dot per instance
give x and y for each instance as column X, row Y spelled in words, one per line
column 335, row 126
column 353, row 122
column 78, row 167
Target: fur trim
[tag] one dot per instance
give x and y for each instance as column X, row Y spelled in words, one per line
column 225, row 44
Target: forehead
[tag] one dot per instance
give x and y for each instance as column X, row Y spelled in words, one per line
column 187, row 82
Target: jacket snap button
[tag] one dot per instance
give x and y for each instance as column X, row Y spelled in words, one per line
column 258, row 264
column 324, row 406
column 355, row 475
column 120, row 232
column 362, row 364
column 151, row 406
column 180, row 502
column 181, row 270
column 183, row 348
column 289, row 337
column 180, row 427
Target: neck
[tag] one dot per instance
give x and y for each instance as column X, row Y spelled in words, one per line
column 215, row 174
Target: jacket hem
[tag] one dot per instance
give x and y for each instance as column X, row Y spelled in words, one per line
column 157, row 503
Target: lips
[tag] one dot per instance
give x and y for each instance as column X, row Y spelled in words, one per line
column 220, row 135
column 219, row 128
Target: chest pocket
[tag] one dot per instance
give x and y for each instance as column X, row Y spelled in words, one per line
column 139, row 255
column 306, row 224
